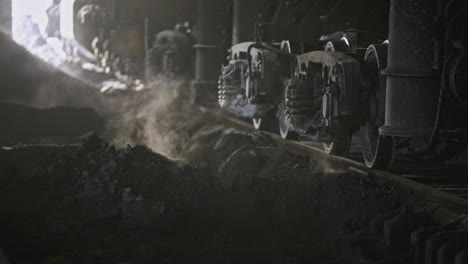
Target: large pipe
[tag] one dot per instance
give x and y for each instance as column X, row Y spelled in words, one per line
column 412, row 86
column 236, row 21
column 207, row 60
column 6, row 15
column 245, row 14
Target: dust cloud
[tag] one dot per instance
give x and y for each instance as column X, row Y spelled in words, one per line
column 159, row 117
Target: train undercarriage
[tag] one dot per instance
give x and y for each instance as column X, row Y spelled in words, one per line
column 395, row 77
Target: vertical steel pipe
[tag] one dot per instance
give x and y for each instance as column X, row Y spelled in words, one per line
column 245, row 14
column 412, row 85
column 207, row 60
column 236, row 21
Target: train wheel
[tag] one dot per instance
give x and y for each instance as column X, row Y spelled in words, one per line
column 257, row 123
column 378, row 151
column 339, row 146
column 267, row 123
column 338, row 46
column 283, row 125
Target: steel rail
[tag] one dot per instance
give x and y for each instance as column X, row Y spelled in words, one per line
column 420, row 190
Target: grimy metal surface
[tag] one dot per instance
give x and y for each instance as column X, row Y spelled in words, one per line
column 420, row 190
column 207, row 51
column 412, row 86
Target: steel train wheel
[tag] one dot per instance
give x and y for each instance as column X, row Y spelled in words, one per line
column 378, row 151
column 341, row 143
column 339, row 146
column 267, row 123
column 257, row 123
column 338, row 46
column 282, row 124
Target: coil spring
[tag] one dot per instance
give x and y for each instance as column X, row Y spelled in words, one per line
column 227, row 92
column 300, row 100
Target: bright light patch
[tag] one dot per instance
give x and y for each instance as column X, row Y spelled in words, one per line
column 29, row 28
column 36, row 9
column 66, row 19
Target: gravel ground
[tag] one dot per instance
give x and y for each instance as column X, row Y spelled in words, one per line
column 229, row 197
column 166, row 182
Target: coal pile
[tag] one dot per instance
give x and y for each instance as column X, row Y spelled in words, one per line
column 76, row 191
column 95, row 203
column 211, row 146
column 188, row 189
column 22, row 124
column 168, row 183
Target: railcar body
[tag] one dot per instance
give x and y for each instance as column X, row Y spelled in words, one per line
column 393, row 71
column 123, row 34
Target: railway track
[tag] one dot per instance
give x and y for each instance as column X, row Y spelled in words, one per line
column 450, row 189
column 435, row 232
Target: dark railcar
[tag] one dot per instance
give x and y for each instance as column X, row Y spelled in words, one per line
column 394, row 71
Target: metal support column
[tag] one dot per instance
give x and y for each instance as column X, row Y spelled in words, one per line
column 245, row 14
column 236, row 21
column 413, row 88
column 207, row 61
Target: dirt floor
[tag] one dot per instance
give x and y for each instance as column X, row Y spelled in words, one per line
column 217, row 195
column 154, row 179
column 97, row 204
